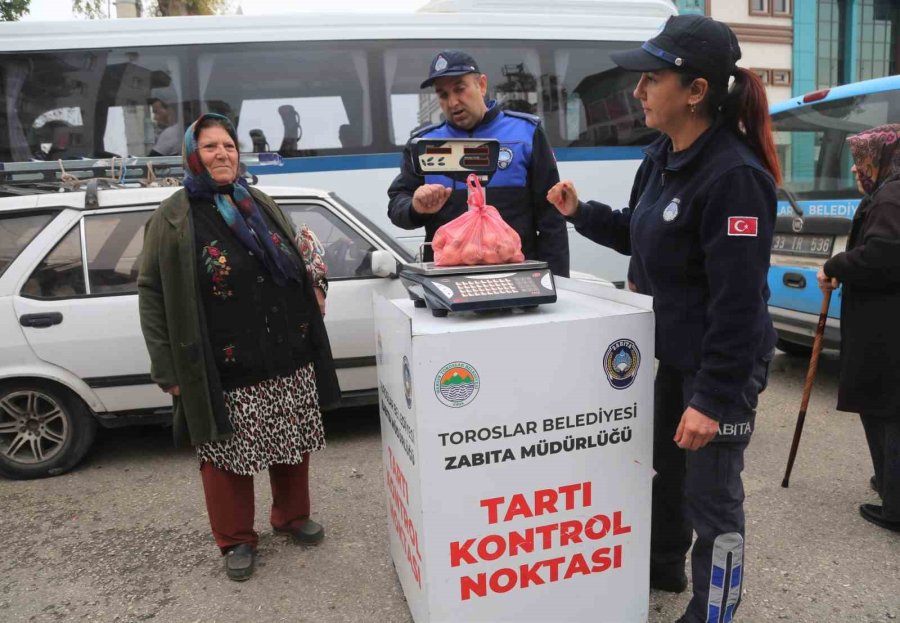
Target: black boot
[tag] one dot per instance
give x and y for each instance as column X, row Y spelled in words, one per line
column 873, row 514
column 239, row 561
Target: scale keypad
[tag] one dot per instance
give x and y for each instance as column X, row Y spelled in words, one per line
column 469, row 288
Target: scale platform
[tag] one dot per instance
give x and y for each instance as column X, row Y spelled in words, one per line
column 445, row 289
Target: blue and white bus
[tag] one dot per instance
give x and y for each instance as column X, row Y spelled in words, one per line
column 819, row 198
column 336, row 95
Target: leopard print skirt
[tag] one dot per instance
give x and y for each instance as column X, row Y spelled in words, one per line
column 276, row 421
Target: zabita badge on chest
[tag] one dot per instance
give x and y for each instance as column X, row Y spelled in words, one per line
column 742, row 225
column 670, row 213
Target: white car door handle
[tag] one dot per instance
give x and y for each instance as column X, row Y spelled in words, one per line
column 40, row 321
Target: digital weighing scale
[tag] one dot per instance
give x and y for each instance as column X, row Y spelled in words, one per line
column 445, row 289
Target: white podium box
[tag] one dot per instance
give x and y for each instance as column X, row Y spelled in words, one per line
column 517, row 452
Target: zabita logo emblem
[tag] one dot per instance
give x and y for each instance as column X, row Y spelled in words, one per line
column 621, row 363
column 456, row 384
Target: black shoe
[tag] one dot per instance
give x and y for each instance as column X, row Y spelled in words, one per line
column 306, row 533
column 669, row 579
column 874, row 486
column 239, row 561
column 872, row 514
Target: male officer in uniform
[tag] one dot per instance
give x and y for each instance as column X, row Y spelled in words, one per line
column 526, row 171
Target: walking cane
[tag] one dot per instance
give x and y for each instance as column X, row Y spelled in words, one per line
column 807, row 388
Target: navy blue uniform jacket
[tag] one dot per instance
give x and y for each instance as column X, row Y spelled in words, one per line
column 518, row 190
column 699, row 229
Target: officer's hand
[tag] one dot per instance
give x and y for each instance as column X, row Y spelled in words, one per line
column 429, row 198
column 174, row 390
column 695, row 430
column 564, row 197
column 825, row 282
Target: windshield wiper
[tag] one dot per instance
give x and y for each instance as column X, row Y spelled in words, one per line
column 792, row 200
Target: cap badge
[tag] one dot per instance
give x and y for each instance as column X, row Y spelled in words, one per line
column 440, row 64
column 679, row 61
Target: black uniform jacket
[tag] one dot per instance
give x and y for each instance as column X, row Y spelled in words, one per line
column 699, row 230
column 518, row 189
column 870, row 306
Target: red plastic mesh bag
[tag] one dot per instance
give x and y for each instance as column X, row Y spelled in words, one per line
column 480, row 236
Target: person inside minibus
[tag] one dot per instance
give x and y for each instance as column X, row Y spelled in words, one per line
column 171, row 134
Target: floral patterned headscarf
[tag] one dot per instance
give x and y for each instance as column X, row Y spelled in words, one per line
column 236, row 205
column 876, row 155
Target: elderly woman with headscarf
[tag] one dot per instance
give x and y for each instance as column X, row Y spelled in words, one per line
column 870, row 308
column 235, row 335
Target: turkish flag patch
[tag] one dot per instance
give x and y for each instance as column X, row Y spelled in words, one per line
column 742, row 225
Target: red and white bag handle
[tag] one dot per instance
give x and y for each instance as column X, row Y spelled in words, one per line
column 476, row 191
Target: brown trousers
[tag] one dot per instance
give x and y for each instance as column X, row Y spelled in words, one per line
column 230, row 503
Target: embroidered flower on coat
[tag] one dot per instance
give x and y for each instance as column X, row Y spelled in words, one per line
column 229, row 353
column 216, row 262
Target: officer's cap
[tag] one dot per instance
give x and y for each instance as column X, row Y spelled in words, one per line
column 450, row 63
column 687, row 43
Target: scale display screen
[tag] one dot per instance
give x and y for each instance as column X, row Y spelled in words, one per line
column 455, row 156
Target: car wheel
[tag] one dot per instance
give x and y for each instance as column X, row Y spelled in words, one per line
column 797, row 350
column 44, row 430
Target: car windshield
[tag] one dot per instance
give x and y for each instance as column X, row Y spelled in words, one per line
column 17, row 230
column 812, row 142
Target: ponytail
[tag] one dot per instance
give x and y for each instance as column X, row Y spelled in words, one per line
column 745, row 109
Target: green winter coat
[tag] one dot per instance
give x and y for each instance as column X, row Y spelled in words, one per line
column 174, row 327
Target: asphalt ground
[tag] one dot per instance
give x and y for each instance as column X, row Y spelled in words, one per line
column 125, row 536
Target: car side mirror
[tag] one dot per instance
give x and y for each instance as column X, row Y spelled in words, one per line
column 383, row 264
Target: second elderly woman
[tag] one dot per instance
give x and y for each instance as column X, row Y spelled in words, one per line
column 870, row 335
column 235, row 335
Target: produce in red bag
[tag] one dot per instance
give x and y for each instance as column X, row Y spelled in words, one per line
column 480, row 236
column 439, row 241
column 471, row 254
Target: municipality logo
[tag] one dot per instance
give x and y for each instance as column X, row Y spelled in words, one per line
column 456, row 385
column 621, row 363
column 407, row 382
column 504, row 158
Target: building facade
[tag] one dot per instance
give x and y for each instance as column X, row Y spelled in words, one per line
column 798, row 46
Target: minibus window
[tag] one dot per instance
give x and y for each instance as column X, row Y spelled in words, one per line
column 93, row 103
column 299, row 99
column 513, row 71
column 592, row 100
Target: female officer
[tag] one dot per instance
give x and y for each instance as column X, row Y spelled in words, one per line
column 870, row 336
column 699, row 230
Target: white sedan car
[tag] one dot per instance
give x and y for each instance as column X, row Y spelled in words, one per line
column 72, row 355
column 71, row 350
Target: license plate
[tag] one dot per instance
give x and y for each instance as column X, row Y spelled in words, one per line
column 803, row 244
